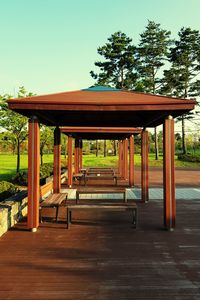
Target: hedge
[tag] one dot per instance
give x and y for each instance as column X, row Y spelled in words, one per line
column 7, row 190
column 189, row 157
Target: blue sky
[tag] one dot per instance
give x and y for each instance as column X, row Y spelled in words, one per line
column 51, row 45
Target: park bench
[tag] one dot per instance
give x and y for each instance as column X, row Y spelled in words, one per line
column 100, row 191
column 79, row 177
column 100, row 170
column 99, row 176
column 118, row 207
column 53, row 201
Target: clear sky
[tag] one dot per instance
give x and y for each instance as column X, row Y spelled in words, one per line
column 51, row 45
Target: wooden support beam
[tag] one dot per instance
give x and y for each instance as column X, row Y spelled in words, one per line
column 168, row 174
column 70, row 159
column 76, row 156
column 122, row 160
column 80, row 155
column 144, row 167
column 119, row 158
column 126, row 159
column 131, row 161
column 33, row 173
column 57, row 161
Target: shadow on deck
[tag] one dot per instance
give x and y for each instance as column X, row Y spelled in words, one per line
column 103, row 257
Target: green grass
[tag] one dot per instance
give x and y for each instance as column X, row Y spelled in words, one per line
column 8, row 163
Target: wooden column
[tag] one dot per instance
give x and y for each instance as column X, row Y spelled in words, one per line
column 144, row 167
column 33, row 173
column 126, row 159
column 168, row 174
column 57, row 161
column 122, row 160
column 70, row 166
column 80, row 154
column 131, row 161
column 119, row 158
column 76, row 156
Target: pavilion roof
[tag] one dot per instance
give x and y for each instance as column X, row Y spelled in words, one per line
column 99, row 107
column 100, row 133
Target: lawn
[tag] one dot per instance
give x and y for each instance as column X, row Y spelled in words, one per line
column 8, row 163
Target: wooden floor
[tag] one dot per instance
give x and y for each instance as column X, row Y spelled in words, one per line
column 103, row 257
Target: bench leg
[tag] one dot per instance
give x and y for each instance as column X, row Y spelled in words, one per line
column 135, row 217
column 69, row 217
column 40, row 215
column 57, row 208
column 77, row 197
column 125, row 197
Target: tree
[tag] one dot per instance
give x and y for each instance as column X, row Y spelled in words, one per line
column 181, row 79
column 104, row 148
column 46, row 140
column 117, row 69
column 151, row 56
column 97, row 148
column 14, row 124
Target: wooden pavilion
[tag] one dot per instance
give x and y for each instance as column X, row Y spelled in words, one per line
column 95, row 110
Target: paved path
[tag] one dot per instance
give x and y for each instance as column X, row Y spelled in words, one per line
column 154, row 193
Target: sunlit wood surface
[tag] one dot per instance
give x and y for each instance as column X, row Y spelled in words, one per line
column 102, row 257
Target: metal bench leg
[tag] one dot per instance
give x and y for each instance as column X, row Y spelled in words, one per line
column 135, row 217
column 40, row 214
column 67, row 218
column 125, row 197
column 77, row 196
column 57, row 208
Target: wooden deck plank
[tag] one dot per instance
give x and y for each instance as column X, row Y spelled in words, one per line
column 104, row 258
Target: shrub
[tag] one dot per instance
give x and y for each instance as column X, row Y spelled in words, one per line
column 7, row 189
column 46, row 170
column 189, row 157
column 20, row 178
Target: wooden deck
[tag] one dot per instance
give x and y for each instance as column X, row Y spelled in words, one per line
column 104, row 258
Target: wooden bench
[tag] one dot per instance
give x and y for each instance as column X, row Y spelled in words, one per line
column 79, row 177
column 99, row 176
column 100, row 171
column 53, row 201
column 100, row 191
column 131, row 207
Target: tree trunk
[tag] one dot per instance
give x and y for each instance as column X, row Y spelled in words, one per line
column 41, row 158
column 97, row 148
column 114, row 148
column 104, row 147
column 65, row 150
column 183, row 135
column 156, row 144
column 18, row 156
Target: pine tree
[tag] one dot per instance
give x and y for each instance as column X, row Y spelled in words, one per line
column 151, row 56
column 117, row 68
column 181, row 79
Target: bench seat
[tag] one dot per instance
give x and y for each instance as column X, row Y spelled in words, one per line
column 53, row 201
column 101, row 191
column 99, row 176
column 130, row 207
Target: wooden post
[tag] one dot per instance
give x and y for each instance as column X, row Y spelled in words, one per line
column 76, row 156
column 80, row 155
column 33, row 173
column 70, row 155
column 119, row 158
column 57, row 161
column 122, row 160
column 144, row 167
column 126, row 159
column 131, row 161
column 168, row 174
